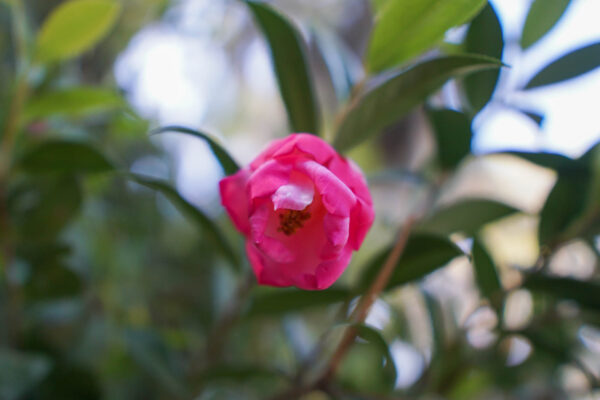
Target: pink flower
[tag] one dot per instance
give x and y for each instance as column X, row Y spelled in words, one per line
column 303, row 209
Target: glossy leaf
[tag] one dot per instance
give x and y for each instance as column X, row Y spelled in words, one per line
column 423, row 254
column 571, row 65
column 64, row 156
column 406, row 28
column 585, row 293
column 283, row 301
column 467, row 216
column 74, row 27
column 227, row 163
column 452, row 131
column 77, row 101
column 20, row 372
column 291, row 67
column 398, row 95
column 486, row 274
column 483, row 37
column 542, row 17
column 374, row 337
column 195, row 215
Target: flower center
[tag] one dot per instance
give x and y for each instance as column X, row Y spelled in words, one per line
column 290, row 220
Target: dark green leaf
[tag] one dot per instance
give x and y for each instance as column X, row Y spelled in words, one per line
column 585, row 293
column 238, row 373
column 64, row 156
column 291, row 67
column 282, row 301
column 452, row 130
column 483, row 37
column 398, row 95
column 467, row 216
column 486, row 274
column 77, row 101
column 197, row 217
column 74, row 27
column 543, row 16
column 571, row 65
column 374, row 337
column 554, row 161
column 227, row 163
column 423, row 254
column 20, row 372
column 53, row 281
column 69, row 381
column 405, row 28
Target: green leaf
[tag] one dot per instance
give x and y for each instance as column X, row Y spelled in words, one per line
column 374, row 337
column 76, row 101
column 543, row 16
column 423, row 254
column 398, row 95
column 467, row 216
column 486, row 274
column 291, row 67
column 53, row 281
column 452, row 130
column 571, row 65
column 483, row 37
column 239, row 373
column 282, row 301
column 64, row 156
column 196, row 216
column 74, row 27
column 227, row 163
column 585, row 293
column 20, row 372
column 554, row 161
column 406, row 28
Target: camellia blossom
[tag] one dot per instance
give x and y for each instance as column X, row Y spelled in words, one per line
column 303, row 209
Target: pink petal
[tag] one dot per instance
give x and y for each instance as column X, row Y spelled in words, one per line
column 310, row 145
column 267, row 153
column 268, row 178
column 235, row 199
column 337, row 231
column 337, row 198
column 296, row 195
column 264, row 275
column 361, row 220
column 352, row 176
column 329, row 271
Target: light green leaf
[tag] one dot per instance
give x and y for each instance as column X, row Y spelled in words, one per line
column 398, row 95
column 196, row 216
column 571, row 65
column 227, row 163
column 406, row 28
column 486, row 274
column 74, row 27
column 291, row 67
column 282, row 301
column 483, row 37
column 452, row 130
column 467, row 216
column 543, row 16
column 20, row 372
column 76, row 101
column 423, row 254
column 64, row 156
column 585, row 293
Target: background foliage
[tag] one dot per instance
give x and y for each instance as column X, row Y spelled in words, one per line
column 115, row 285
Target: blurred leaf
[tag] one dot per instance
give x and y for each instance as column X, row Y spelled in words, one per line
column 291, row 67
column 77, row 101
column 283, row 301
column 69, row 381
column 423, row 254
column 569, row 66
column 452, row 130
column 405, row 28
column 52, row 281
column 238, row 373
column 374, row 337
column 554, row 161
column 438, row 327
column 483, row 37
column 486, row 274
column 227, row 163
column 41, row 208
column 20, row 372
column 64, row 156
column 196, row 216
column 74, row 27
column 466, row 215
column 543, row 16
column 585, row 293
column 398, row 95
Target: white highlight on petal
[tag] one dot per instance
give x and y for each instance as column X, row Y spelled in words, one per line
column 293, row 196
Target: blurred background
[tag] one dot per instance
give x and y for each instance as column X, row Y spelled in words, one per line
column 110, row 292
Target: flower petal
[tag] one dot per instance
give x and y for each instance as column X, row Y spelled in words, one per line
column 264, row 275
column 337, row 231
column 235, row 200
column 337, row 198
column 351, row 175
column 361, row 220
column 329, row 271
column 295, row 195
column 268, row 178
